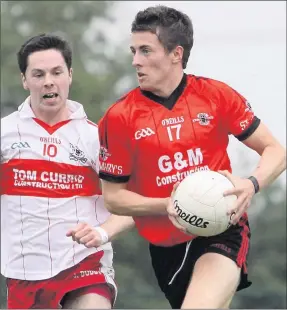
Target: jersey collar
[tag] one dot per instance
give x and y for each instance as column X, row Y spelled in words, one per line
column 172, row 99
column 77, row 110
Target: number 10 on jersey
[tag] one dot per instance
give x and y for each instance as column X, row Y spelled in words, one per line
column 50, row 150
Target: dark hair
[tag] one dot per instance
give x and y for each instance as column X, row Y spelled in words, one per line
column 40, row 43
column 172, row 28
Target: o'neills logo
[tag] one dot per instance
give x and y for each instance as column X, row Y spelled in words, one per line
column 190, row 219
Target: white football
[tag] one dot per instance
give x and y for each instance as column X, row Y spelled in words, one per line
column 200, row 203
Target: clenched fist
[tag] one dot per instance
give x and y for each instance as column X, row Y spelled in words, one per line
column 172, row 214
column 88, row 235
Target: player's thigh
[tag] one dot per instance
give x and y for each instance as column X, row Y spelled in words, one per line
column 86, row 301
column 214, row 281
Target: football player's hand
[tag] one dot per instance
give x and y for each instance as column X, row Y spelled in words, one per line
column 244, row 190
column 172, row 214
column 86, row 234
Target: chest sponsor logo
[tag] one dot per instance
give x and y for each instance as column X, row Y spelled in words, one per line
column 49, row 179
column 179, row 165
column 167, row 163
column 203, row 119
column 143, row 133
column 41, row 178
column 76, row 154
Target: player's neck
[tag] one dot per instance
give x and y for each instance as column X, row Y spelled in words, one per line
column 51, row 117
column 168, row 86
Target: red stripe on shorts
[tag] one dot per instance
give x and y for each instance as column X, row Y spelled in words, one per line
column 241, row 257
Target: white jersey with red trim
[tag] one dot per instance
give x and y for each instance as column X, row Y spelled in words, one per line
column 49, row 183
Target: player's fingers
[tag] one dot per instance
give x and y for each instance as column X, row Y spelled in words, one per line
column 239, row 212
column 78, row 227
column 85, row 231
column 176, row 224
column 69, row 233
column 231, row 217
column 232, row 191
column 93, row 243
column 170, row 209
column 240, row 200
column 78, row 236
column 234, row 220
column 242, row 210
column 86, row 238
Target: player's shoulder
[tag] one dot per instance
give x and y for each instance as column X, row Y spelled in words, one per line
column 8, row 122
column 92, row 128
column 12, row 116
column 207, row 85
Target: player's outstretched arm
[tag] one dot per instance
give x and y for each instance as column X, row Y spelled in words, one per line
column 91, row 236
column 273, row 155
column 120, row 201
column 272, row 163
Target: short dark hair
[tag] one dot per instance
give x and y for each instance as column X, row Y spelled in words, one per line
column 43, row 42
column 171, row 26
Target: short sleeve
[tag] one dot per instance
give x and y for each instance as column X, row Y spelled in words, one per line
column 115, row 162
column 237, row 114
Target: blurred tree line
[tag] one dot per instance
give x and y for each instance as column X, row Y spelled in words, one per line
column 100, row 77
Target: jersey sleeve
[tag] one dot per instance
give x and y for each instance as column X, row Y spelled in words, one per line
column 115, row 162
column 237, row 114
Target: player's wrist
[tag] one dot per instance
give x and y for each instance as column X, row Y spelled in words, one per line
column 255, row 184
column 103, row 234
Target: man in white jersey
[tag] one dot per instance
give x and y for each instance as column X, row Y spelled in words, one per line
column 50, row 192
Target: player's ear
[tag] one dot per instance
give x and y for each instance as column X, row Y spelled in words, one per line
column 70, row 75
column 24, row 82
column 177, row 54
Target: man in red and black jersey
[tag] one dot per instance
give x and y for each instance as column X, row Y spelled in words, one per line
column 172, row 125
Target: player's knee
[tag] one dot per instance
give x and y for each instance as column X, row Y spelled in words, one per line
column 88, row 301
column 227, row 304
column 201, row 302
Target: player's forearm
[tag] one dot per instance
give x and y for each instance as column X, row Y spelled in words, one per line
column 116, row 225
column 271, row 165
column 125, row 202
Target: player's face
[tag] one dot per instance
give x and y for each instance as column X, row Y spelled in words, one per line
column 48, row 79
column 153, row 64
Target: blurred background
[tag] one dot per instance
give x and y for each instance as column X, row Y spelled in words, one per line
column 242, row 43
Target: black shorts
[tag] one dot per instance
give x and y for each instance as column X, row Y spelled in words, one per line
column 173, row 266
